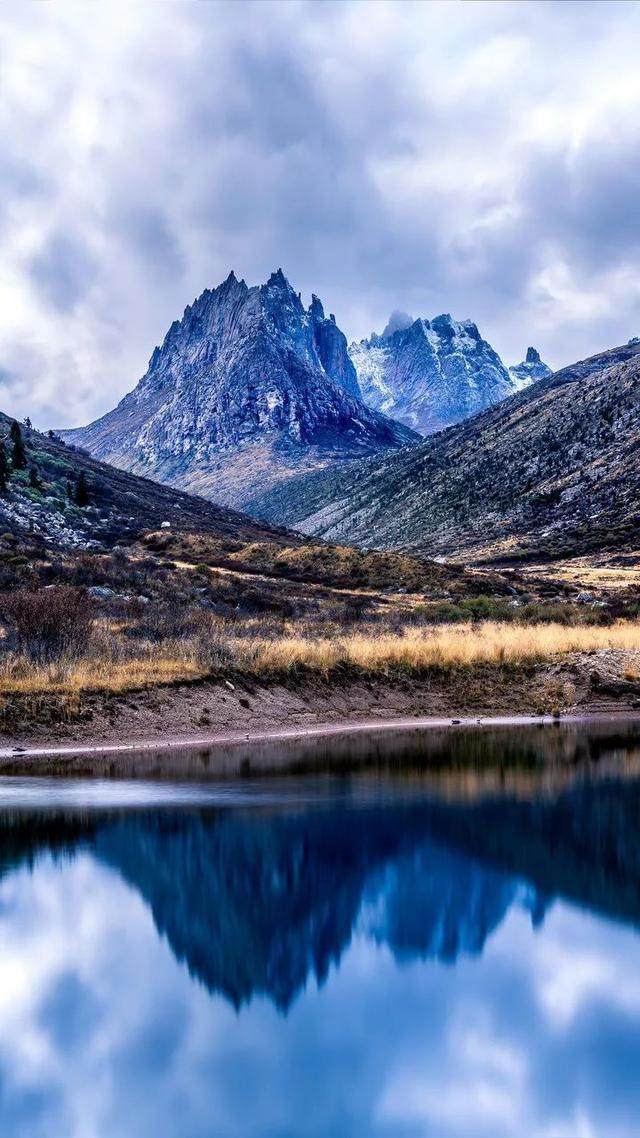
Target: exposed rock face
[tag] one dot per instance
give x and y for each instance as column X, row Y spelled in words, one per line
column 529, row 370
column 554, row 471
column 249, row 387
column 430, row 373
column 331, row 347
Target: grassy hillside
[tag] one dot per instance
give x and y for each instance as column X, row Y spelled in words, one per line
column 99, row 599
column 119, row 506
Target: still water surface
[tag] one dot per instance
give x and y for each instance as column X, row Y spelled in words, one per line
column 376, row 953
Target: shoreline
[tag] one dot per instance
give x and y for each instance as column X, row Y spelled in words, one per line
column 224, row 718
column 287, row 750
column 318, row 731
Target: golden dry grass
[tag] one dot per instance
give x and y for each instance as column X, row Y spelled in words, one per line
column 465, row 645
column 414, row 651
column 144, row 670
column 589, row 574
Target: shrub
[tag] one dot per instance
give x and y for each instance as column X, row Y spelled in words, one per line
column 81, row 493
column 160, row 621
column 211, row 645
column 47, row 623
column 446, row 613
column 4, row 467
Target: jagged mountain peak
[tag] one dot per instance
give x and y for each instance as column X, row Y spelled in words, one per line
column 247, row 388
column 397, row 321
column 430, row 373
column 531, row 369
column 316, row 308
column 278, row 278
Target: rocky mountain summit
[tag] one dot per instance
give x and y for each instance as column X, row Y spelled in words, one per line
column 553, row 471
column 247, row 388
column 429, row 374
column 531, row 369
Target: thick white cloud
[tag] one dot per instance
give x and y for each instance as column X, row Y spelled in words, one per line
column 482, row 159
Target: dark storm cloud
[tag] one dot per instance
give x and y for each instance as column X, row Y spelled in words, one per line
column 480, row 159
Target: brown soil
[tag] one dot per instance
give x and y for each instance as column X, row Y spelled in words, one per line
column 597, row 683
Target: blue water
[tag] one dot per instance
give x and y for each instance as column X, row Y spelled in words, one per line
column 340, row 958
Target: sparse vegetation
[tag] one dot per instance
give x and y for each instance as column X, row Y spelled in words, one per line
column 153, row 645
column 48, row 623
column 219, row 596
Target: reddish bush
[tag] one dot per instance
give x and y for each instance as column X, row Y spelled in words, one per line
column 47, row 623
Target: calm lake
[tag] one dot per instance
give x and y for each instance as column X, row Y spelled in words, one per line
column 375, row 951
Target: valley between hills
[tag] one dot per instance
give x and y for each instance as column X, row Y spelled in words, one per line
column 360, row 572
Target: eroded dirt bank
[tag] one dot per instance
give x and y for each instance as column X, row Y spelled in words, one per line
column 597, row 684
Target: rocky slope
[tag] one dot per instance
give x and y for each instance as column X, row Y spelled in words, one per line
column 46, row 536
column 430, row 373
column 531, row 369
column 553, row 471
column 247, row 388
column 119, row 506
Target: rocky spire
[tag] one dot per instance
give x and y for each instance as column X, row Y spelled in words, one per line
column 316, row 311
column 531, row 369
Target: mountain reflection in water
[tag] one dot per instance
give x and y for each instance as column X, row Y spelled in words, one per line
column 255, row 901
column 440, row 944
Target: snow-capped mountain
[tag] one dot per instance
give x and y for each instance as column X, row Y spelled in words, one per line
column 429, row 373
column 531, row 369
column 248, row 388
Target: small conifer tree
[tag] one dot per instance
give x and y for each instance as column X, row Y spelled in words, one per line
column 34, row 479
column 18, row 453
column 4, row 467
column 81, row 496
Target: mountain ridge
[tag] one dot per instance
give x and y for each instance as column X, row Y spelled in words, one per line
column 554, row 469
column 430, row 374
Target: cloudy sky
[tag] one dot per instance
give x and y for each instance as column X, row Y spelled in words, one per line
column 481, row 159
